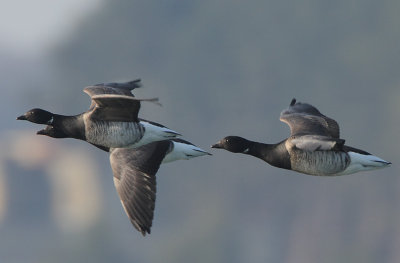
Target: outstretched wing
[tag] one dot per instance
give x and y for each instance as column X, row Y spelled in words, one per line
column 134, row 178
column 304, row 119
column 118, row 88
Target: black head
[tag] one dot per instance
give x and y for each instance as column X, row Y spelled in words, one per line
column 38, row 116
column 233, row 144
column 52, row 132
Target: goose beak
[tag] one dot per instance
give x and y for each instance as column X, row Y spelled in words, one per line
column 216, row 146
column 46, row 131
column 22, row 117
column 41, row 132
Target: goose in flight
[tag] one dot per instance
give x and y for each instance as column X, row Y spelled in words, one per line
column 134, row 168
column 111, row 121
column 314, row 146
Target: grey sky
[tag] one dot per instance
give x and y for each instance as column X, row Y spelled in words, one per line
column 33, row 26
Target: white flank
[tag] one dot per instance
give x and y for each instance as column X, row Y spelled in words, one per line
column 153, row 133
column 183, row 151
column 361, row 162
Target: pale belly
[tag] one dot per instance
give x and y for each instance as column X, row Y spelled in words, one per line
column 324, row 163
column 114, row 134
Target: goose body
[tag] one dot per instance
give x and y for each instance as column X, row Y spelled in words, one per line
column 137, row 147
column 111, row 121
column 314, row 146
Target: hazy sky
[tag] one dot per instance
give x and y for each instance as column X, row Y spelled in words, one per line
column 33, row 26
column 219, row 68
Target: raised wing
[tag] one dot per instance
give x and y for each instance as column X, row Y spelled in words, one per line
column 121, row 88
column 134, row 178
column 118, row 88
column 303, row 119
column 110, row 107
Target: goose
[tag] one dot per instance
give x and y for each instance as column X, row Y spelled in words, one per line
column 134, row 169
column 314, row 146
column 111, row 121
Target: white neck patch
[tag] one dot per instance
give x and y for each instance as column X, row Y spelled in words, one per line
column 51, row 121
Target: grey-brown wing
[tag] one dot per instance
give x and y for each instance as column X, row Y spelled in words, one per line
column 118, row 88
column 123, row 86
column 134, row 178
column 110, row 107
column 304, row 118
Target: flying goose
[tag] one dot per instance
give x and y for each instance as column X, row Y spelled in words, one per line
column 111, row 121
column 314, row 146
column 134, row 169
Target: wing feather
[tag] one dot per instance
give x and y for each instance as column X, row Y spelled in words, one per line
column 134, row 178
column 118, row 88
column 111, row 107
column 303, row 118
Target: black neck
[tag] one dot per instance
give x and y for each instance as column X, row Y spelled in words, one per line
column 71, row 126
column 274, row 154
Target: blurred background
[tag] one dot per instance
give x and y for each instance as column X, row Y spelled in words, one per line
column 219, row 68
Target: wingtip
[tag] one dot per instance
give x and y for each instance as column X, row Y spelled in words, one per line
column 142, row 228
column 145, row 232
column 136, row 83
column 131, row 85
column 154, row 101
column 293, row 102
